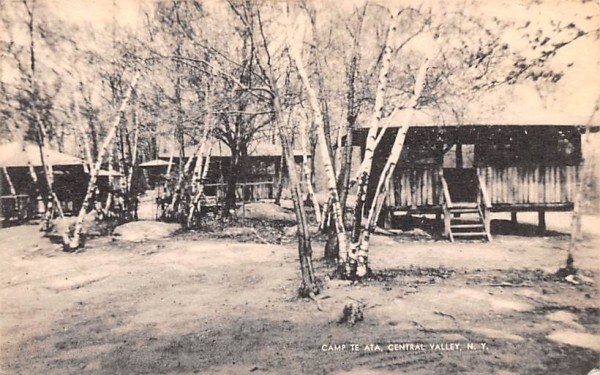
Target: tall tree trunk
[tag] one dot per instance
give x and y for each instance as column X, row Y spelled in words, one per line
column 326, row 157
column 362, row 246
column 74, row 241
column 352, row 109
column 122, row 163
column 309, row 286
column 307, row 175
column 232, row 180
column 174, row 208
column 201, row 169
column 309, row 283
column 280, row 179
column 372, row 140
column 133, row 164
column 109, row 196
column 585, row 175
column 346, row 167
column 319, row 61
column 201, row 177
column 171, row 157
column 83, row 135
column 11, row 187
column 52, row 199
column 41, row 131
column 93, row 138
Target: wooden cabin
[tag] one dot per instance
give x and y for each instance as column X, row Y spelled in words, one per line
column 261, row 172
column 464, row 172
column 153, row 172
column 21, row 198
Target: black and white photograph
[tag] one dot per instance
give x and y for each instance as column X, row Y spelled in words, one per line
column 300, row 187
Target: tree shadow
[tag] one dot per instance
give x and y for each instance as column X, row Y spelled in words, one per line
column 508, row 228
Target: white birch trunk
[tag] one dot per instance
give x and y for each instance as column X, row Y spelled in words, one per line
column 171, row 156
column 388, row 170
column 201, row 177
column 585, row 175
column 307, row 173
column 74, row 241
column 201, row 169
column 364, row 170
column 309, row 285
column 382, row 86
column 9, row 181
column 326, row 157
column 48, row 172
column 86, row 142
column 177, row 193
column 136, row 134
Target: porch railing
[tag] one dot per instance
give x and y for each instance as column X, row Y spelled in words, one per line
column 246, row 191
column 16, row 208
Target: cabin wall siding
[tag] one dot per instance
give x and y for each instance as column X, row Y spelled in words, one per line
column 530, row 184
column 522, row 185
column 415, row 187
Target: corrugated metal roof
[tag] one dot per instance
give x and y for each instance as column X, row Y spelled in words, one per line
column 15, row 154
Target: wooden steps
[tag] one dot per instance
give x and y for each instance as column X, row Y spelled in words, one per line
column 466, row 222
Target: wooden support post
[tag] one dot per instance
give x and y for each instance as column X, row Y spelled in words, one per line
column 487, row 222
column 447, row 221
column 513, row 218
column 387, row 218
column 459, row 156
column 541, row 221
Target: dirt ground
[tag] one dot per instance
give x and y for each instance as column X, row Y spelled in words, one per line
column 192, row 304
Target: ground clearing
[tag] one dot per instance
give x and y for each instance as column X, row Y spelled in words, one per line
column 190, row 304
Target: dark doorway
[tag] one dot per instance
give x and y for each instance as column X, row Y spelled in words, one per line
column 462, row 184
column 460, row 173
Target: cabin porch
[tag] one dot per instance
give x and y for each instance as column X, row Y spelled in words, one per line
column 433, row 189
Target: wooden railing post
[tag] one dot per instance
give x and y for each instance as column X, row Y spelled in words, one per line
column 485, row 205
column 446, row 205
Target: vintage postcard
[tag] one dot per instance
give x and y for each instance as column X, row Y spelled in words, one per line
column 299, row 187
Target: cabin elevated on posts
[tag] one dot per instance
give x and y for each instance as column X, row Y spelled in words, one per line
column 462, row 173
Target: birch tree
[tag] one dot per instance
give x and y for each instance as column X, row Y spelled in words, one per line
column 362, row 247
column 309, row 285
column 580, row 187
column 372, row 140
column 308, row 172
column 73, row 241
column 294, row 47
column 353, row 68
column 203, row 159
column 52, row 201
